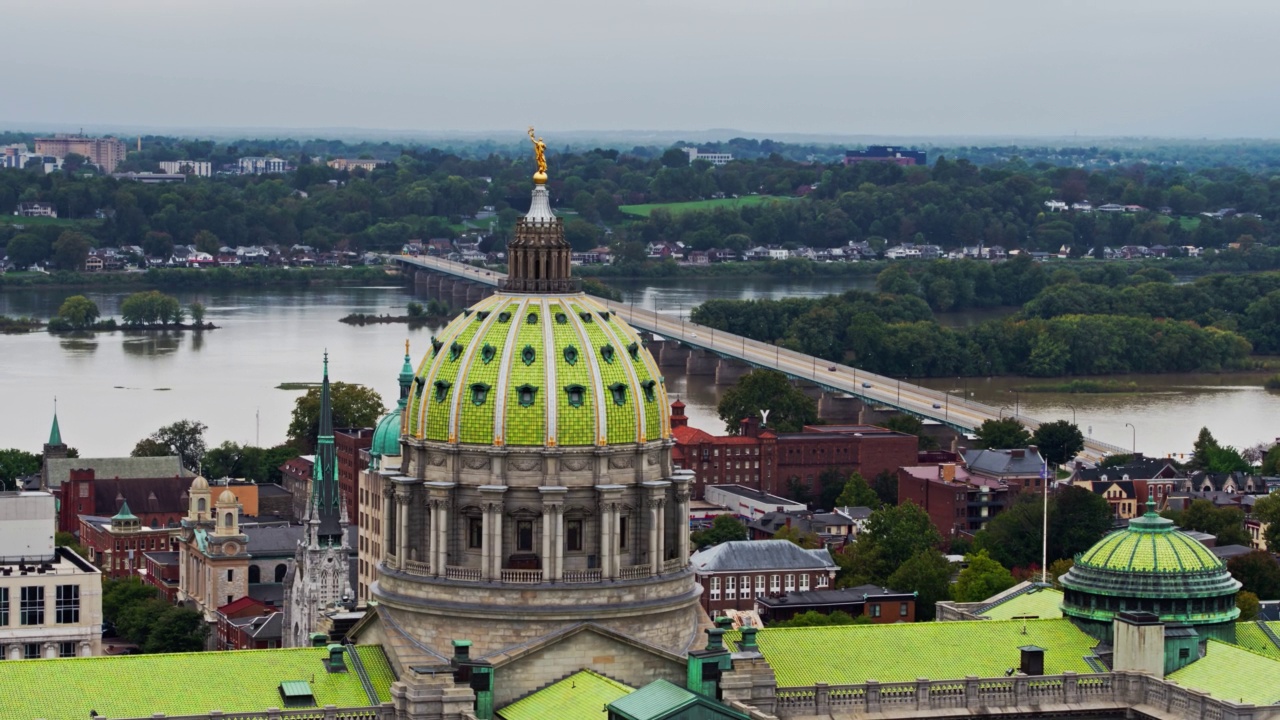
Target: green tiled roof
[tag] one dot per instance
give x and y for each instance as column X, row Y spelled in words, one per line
column 1148, row 547
column 136, row 686
column 535, row 371
column 660, row 700
column 581, row 696
column 853, row 654
column 1251, row 637
column 1234, row 674
column 1044, row 603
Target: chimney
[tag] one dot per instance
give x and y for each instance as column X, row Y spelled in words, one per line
column 1138, row 643
column 1032, row 660
column 948, row 471
column 748, row 643
column 1032, row 449
column 1017, row 454
column 724, row 623
column 335, row 664
column 461, row 650
column 715, row 638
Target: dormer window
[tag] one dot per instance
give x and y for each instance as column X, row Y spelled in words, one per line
column 634, row 351
column 532, row 319
column 604, row 314
column 647, row 386
column 561, row 318
column 504, row 317
column 526, row 394
column 436, row 344
column 574, row 394
column 571, row 355
column 442, row 390
column 482, row 315
column 528, row 355
column 606, row 352
column 455, row 351
column 479, row 393
column 619, row 392
column 487, row 353
column 586, row 317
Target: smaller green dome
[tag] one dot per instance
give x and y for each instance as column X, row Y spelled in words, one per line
column 1150, row 545
column 386, row 436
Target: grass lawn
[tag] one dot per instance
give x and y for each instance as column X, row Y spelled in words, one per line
column 679, row 207
column 37, row 221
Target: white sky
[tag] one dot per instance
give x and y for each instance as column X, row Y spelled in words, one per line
column 878, row 67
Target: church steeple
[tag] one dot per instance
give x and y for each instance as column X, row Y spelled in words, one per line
column 324, row 512
column 54, row 449
column 55, row 433
column 406, row 377
column 538, row 256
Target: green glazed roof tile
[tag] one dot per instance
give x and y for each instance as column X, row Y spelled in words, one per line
column 231, row 681
column 1234, row 674
column 1251, row 637
column 853, row 654
column 581, row 696
column 1044, row 604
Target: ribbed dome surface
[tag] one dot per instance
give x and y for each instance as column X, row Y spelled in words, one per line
column 1143, row 551
column 386, row 436
column 538, row 370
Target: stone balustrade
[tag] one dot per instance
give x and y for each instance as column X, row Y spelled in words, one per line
column 674, row 565
column 633, row 572
column 521, row 576
column 582, row 576
column 414, row 567
column 454, row 572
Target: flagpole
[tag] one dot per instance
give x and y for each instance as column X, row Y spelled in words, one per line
column 1044, row 534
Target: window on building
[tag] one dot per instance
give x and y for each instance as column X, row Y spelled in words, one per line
column 731, row 588
column 875, row 610
column 231, row 575
column 791, row 583
column 902, row 609
column 804, row 583
column 475, row 533
column 759, row 586
column 31, row 651
column 573, row 535
column 66, row 649
column 822, row 581
column 4, row 607
column 524, row 535
column 715, row 588
column 775, row 584
column 67, row 604
column 622, row 532
column 31, row 606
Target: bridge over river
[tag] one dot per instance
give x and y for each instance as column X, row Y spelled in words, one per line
column 467, row 284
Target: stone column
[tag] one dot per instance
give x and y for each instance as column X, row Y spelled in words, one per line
column 682, row 479
column 610, row 498
column 491, row 537
column 403, row 495
column 389, row 516
column 552, row 531
column 439, row 493
column 656, row 502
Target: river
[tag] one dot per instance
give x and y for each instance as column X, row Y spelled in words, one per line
column 113, row 389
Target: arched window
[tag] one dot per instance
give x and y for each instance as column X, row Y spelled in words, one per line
column 574, row 395
column 228, row 519
column 281, row 569
column 200, row 505
column 255, row 574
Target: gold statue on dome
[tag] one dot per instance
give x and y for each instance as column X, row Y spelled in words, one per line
column 540, row 154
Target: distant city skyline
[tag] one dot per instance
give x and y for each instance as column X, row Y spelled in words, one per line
column 881, row 69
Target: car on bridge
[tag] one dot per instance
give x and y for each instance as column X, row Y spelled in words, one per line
column 866, row 385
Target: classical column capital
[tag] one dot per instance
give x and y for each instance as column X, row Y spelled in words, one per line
column 403, row 495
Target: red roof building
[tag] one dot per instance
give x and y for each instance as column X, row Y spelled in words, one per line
column 775, row 462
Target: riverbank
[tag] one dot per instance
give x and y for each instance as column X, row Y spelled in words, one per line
column 413, row 321
column 14, row 326
column 190, row 278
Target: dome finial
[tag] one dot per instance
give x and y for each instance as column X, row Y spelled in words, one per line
column 540, row 154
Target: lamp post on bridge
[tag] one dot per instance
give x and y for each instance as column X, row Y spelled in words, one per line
column 1135, row 437
column 1017, row 403
column 1073, row 413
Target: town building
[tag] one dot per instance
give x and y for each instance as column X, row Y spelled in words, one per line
column 1022, row 467
column 248, row 624
column 748, row 502
column 957, row 502
column 117, row 544
column 350, row 444
column 358, row 163
column 105, row 152
column 212, row 562
column 320, row 577
column 778, row 463
column 36, row 210
column 886, row 154
column 711, row 157
column 50, row 598
column 160, row 570
column 160, row 502
column 56, row 469
column 734, row 574
column 199, row 168
column 880, row 604
column 834, row 529
column 295, row 475
column 261, row 165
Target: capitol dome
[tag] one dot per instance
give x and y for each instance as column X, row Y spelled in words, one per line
column 1151, row 567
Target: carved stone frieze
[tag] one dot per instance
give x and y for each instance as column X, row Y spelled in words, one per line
column 476, row 463
column 525, row 463
column 620, row 462
column 573, row 464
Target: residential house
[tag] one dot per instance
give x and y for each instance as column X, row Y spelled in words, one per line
column 733, row 574
column 248, row 624
column 905, row 251
column 1018, row 467
column 958, row 504
column 36, row 209
column 833, row 529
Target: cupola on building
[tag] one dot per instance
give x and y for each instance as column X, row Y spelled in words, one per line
column 527, row 486
column 1153, row 568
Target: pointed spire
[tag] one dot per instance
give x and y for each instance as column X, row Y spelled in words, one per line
column 326, row 502
column 326, row 413
column 406, row 377
column 55, row 433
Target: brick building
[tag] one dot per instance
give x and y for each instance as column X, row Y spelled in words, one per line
column 1022, row 467
column 880, row 604
column 957, row 502
column 295, row 475
column 248, row 624
column 158, row 502
column 775, row 462
column 106, row 153
column 348, row 443
column 160, row 570
column 118, row 544
column 734, row 574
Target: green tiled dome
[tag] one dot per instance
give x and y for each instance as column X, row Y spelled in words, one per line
column 538, row 370
column 386, row 436
column 1148, row 548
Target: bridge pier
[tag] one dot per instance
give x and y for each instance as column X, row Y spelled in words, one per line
column 670, row 354
column 729, row 372
column 839, row 407
column 701, row 362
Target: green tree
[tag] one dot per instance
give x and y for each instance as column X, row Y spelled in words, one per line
column 1258, row 573
column 1059, row 441
column 15, row 464
column 176, row 630
column 675, row 158
column 1271, row 461
column 724, row 528
column 1249, row 606
column 928, row 575
column 1267, row 511
column 1002, row 434
column 1202, row 450
column 184, row 438
column 1012, row 537
column 813, row 618
column 197, row 311
column 207, row 242
column 25, row 250
column 150, row 308
column 856, row 493
column 68, row 540
column 886, row 487
column 983, row 578
column 71, row 249
column 803, row 538
column 79, row 312
column 1058, row 568
column 892, row 536
column 1078, row 518
column 789, row 408
column 352, row 405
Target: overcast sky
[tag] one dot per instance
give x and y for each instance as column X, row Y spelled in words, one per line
column 883, row 67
